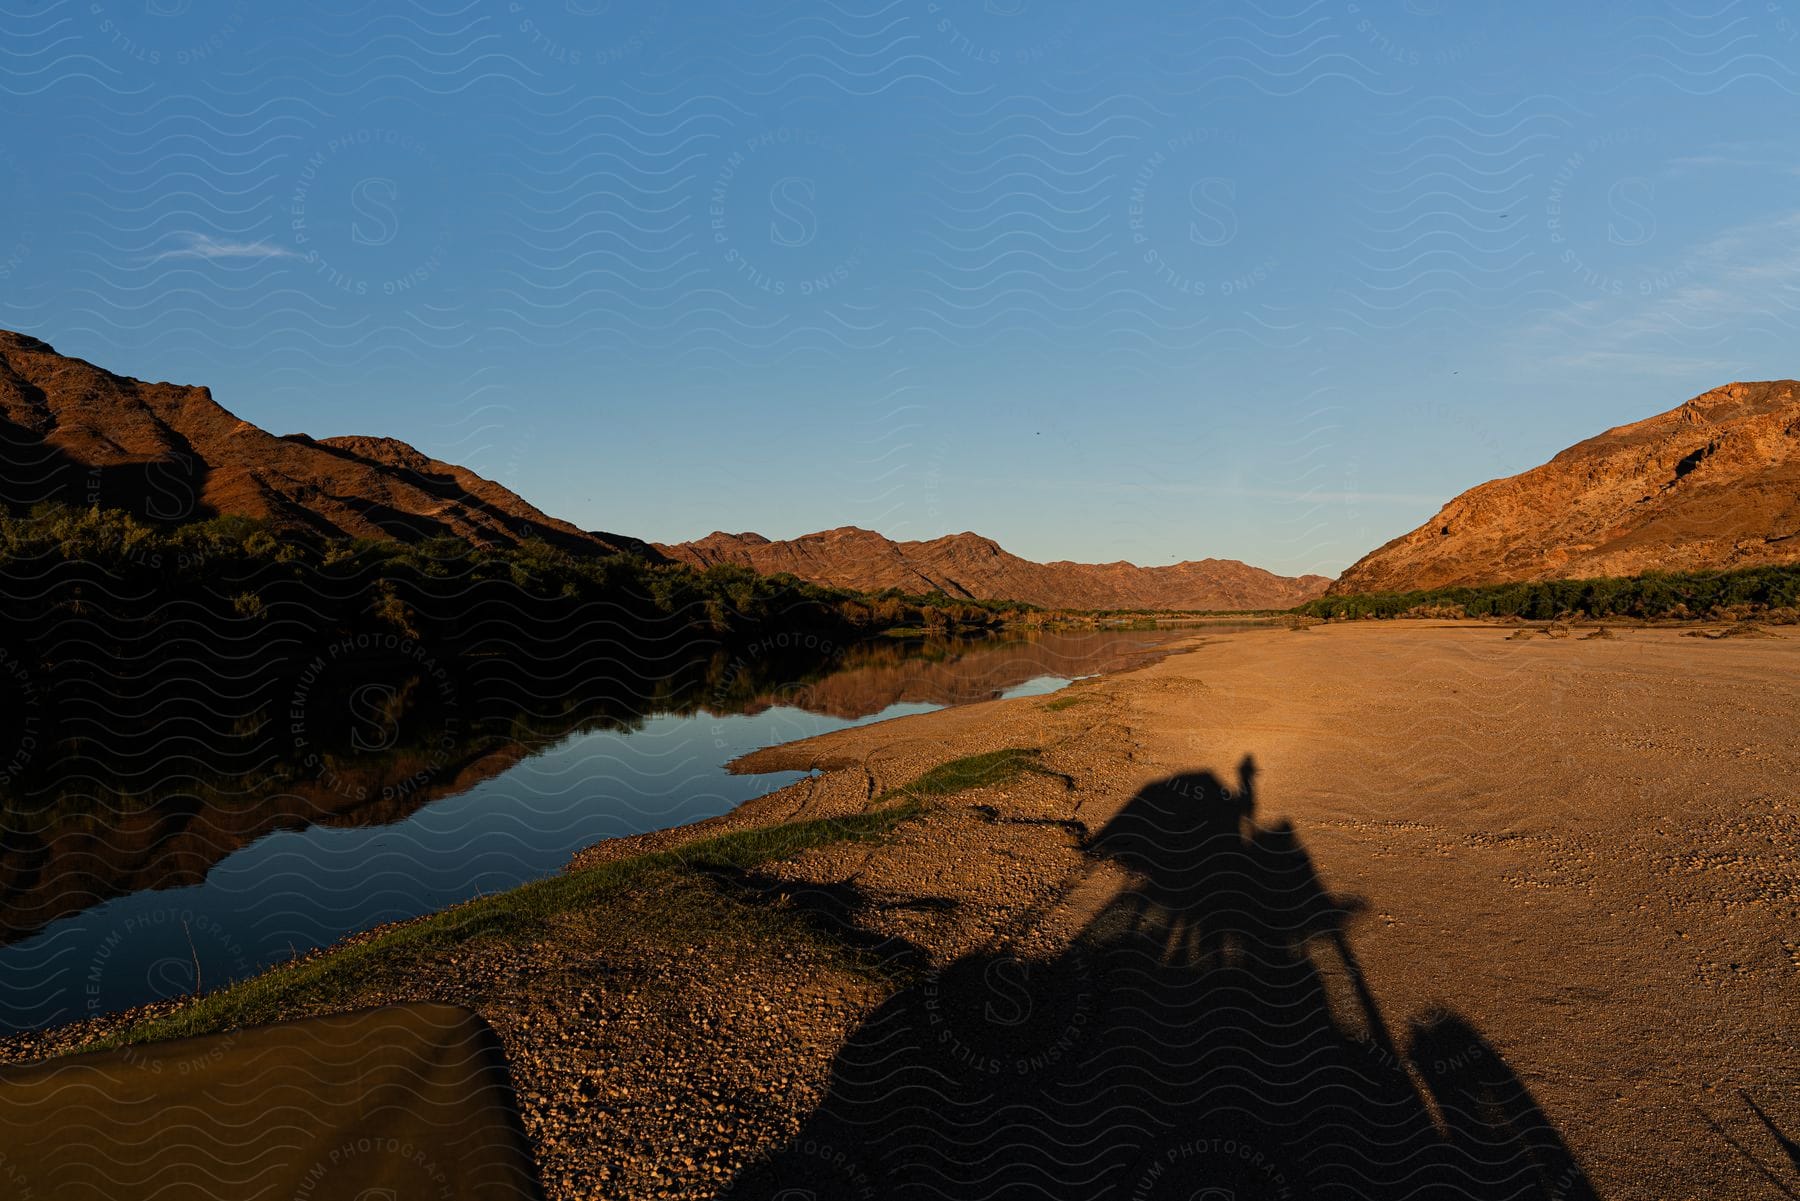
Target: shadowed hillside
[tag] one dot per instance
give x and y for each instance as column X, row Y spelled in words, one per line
column 74, row 433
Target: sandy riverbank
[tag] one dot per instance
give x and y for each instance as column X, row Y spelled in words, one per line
column 1424, row 902
column 1587, row 849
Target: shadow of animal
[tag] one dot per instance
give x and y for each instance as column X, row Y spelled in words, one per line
column 1208, row 1035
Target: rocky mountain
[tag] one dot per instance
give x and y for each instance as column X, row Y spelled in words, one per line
column 968, row 565
column 1711, row 484
column 73, row 432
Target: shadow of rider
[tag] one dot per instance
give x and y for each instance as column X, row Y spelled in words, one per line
column 1209, row 1033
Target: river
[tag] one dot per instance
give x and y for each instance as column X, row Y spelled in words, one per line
column 129, row 894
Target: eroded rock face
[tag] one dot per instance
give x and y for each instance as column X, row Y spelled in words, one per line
column 72, row 432
column 968, row 565
column 1711, row 484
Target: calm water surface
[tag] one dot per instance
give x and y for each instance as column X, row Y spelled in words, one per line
column 239, row 881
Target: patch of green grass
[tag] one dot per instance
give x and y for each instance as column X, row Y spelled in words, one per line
column 974, row 771
column 1058, row 704
column 519, row 913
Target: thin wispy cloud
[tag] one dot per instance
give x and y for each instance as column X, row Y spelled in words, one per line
column 1713, row 162
column 1746, row 156
column 1741, row 276
column 201, row 246
column 1637, row 362
column 1285, row 494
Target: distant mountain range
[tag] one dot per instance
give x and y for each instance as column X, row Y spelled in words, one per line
column 968, row 565
column 1710, row 484
column 1713, row 483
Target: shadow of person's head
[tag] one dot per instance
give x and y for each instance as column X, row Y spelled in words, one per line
column 1168, row 822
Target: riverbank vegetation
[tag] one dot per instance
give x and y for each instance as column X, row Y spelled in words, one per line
column 236, row 558
column 338, row 647
column 1771, row 593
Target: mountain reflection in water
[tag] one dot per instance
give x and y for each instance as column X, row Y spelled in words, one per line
column 369, row 794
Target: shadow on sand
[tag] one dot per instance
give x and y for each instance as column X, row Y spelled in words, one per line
column 1208, row 1036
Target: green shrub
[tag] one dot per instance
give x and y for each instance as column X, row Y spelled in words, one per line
column 1653, row 595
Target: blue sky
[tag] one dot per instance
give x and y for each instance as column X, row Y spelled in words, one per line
column 1148, row 282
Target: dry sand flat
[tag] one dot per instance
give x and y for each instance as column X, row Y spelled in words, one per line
column 1586, row 850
